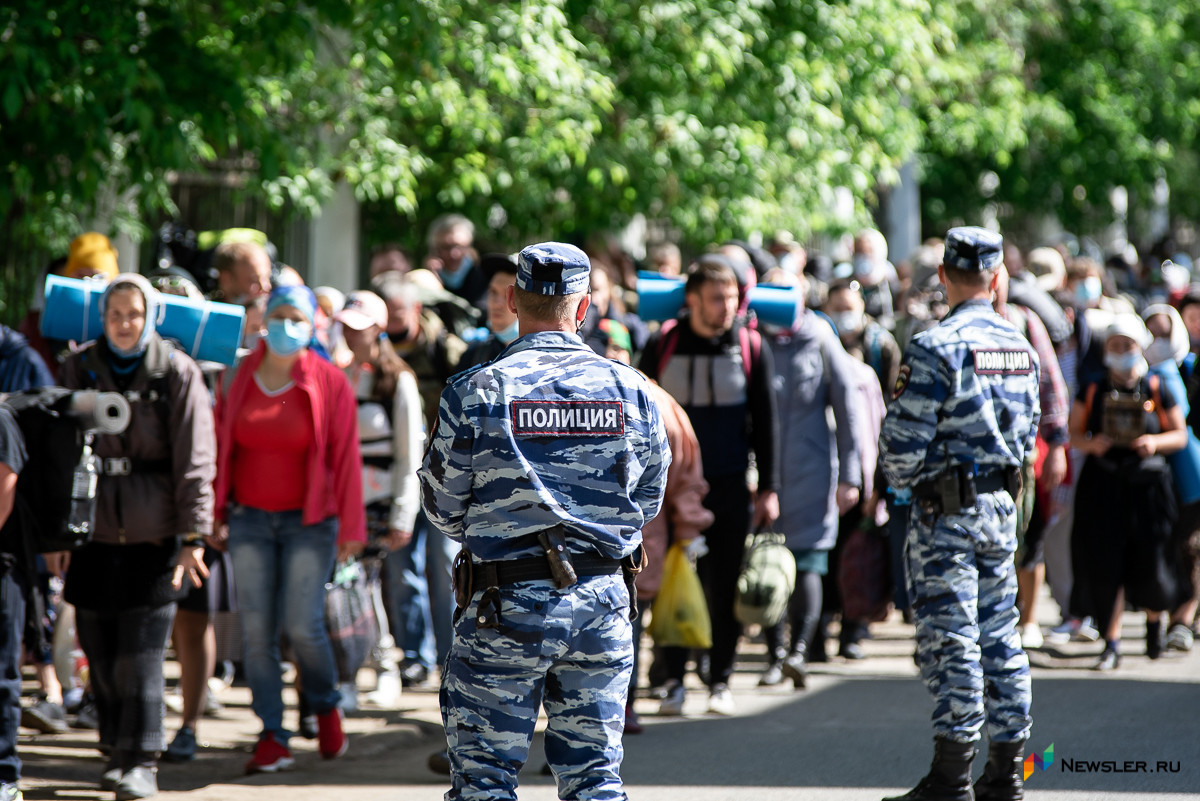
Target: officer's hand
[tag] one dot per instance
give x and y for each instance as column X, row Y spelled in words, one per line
column 847, row 497
column 396, row 539
column 1054, row 469
column 349, row 548
column 766, row 510
column 57, row 562
column 1145, row 445
column 1099, row 444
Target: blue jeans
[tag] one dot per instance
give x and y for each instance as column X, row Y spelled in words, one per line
column 421, row 597
column 280, row 569
column 12, row 626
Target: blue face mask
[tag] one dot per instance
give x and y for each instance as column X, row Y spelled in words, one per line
column 287, row 337
column 1088, row 290
column 455, row 280
column 508, row 334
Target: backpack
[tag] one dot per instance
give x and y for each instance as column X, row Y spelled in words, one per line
column 54, row 443
column 767, row 580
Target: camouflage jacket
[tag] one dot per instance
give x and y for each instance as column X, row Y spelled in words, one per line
column 967, row 394
column 547, row 433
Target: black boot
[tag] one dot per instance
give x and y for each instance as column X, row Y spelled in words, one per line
column 1003, row 777
column 949, row 777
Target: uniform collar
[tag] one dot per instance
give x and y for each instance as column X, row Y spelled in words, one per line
column 974, row 304
column 546, row 339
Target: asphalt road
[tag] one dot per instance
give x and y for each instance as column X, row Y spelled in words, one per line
column 860, row 731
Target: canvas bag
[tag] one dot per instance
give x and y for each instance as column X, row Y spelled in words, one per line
column 766, row 582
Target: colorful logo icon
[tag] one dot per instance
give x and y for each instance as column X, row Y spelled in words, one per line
column 1039, row 761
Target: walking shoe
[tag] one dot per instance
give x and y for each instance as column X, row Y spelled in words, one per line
column 772, row 676
column 387, row 692
column 1109, row 660
column 110, row 776
column 852, row 651
column 349, row 700
column 720, row 700
column 1087, row 631
column 632, row 725
column 672, row 702
column 331, row 740
column 45, row 716
column 270, row 756
column 1031, row 636
column 10, row 792
column 1180, row 638
column 183, row 747
column 795, row 667
column 86, row 717
column 137, row 782
column 414, row 674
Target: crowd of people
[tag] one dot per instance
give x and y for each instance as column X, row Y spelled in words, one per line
column 241, row 489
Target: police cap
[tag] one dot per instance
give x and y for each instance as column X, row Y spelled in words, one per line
column 553, row 268
column 973, row 249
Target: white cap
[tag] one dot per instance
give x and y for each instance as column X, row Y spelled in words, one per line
column 362, row 310
column 1129, row 325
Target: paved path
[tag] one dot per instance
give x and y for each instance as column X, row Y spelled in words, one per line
column 859, row 732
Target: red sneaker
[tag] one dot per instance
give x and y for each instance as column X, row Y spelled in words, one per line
column 331, row 740
column 269, row 756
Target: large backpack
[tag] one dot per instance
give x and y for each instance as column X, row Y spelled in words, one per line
column 54, row 441
column 766, row 582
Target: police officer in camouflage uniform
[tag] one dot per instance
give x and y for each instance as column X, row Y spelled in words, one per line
column 963, row 417
column 545, row 464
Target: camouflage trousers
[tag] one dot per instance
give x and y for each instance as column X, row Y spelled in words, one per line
column 570, row 651
column 963, row 587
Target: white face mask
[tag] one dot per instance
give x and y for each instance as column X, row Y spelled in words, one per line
column 847, row 323
column 1131, row 364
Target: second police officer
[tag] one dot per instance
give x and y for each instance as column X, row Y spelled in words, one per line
column 963, row 417
column 545, row 464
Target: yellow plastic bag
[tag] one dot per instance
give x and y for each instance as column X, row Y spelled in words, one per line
column 680, row 613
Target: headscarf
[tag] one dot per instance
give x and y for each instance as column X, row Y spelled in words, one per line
column 302, row 298
column 298, row 297
column 153, row 307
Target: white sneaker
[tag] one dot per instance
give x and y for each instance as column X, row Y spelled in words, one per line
column 1062, row 633
column 349, row 702
column 1087, row 631
column 1031, row 636
column 672, row 704
column 720, row 701
column 387, row 692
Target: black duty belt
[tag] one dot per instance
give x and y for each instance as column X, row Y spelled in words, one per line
column 536, row 568
column 994, row 481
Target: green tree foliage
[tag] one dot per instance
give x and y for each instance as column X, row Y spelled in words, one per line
column 567, row 117
column 1112, row 99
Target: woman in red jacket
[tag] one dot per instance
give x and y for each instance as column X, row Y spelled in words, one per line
column 289, row 484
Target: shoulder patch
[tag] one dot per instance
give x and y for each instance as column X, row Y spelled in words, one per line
column 901, row 381
column 568, row 418
column 1002, row 362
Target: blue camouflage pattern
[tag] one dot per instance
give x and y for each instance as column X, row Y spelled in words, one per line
column 946, row 412
column 967, row 395
column 489, row 486
column 548, row 433
column 568, row 650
